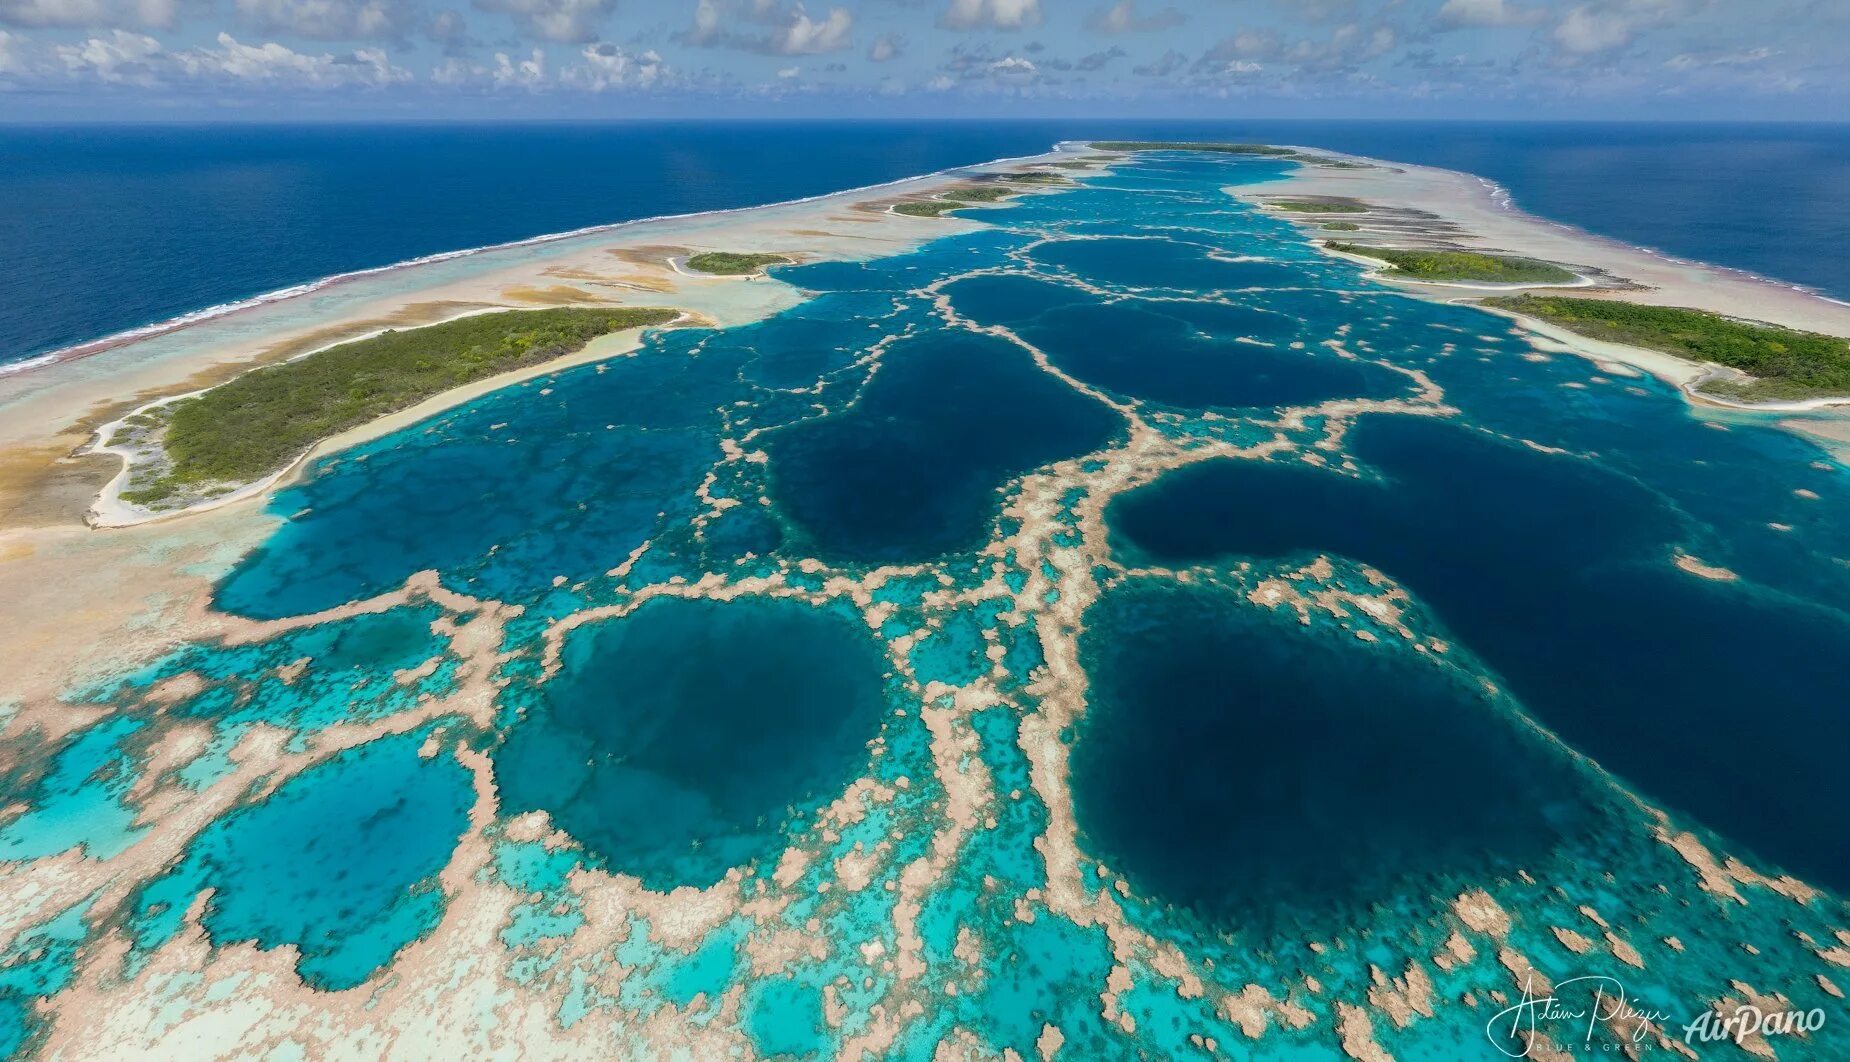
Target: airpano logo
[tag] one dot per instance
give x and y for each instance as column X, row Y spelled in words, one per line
column 1749, row 1020
column 1594, row 1014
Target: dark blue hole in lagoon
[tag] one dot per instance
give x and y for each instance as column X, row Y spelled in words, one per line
column 1183, row 354
column 915, row 468
column 1163, row 263
column 675, row 741
column 1237, row 764
column 1558, row 575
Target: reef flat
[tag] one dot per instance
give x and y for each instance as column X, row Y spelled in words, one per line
column 1097, row 625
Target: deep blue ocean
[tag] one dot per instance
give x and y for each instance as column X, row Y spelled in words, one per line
column 107, row 228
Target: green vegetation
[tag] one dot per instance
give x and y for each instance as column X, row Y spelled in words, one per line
column 924, row 208
column 954, row 199
column 987, row 193
column 1785, row 363
column 1268, row 150
column 1342, row 226
column 1318, row 206
column 1034, row 177
column 1168, row 145
column 730, row 263
column 1461, row 265
column 256, row 423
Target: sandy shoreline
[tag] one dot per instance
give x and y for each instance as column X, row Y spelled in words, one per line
column 1436, row 207
column 1472, row 206
column 49, row 414
column 110, row 511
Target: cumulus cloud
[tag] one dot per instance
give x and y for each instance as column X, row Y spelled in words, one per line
column 785, row 31
column 803, row 35
column 1347, row 47
column 607, row 67
column 1583, row 31
column 991, row 14
column 273, row 63
column 567, row 21
column 1456, row 13
column 124, row 58
column 12, row 64
column 116, row 58
column 77, row 14
column 1602, row 26
column 1121, row 17
column 505, row 72
column 885, row 47
column 330, row 20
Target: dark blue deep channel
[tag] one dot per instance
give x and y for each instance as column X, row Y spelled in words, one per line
column 1706, row 697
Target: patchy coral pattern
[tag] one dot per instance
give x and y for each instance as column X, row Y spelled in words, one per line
column 1119, row 630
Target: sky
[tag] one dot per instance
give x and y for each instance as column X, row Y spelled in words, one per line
column 331, row 59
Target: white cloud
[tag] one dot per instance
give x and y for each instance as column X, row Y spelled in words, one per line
column 124, row 58
column 117, row 58
column 567, row 21
column 1584, row 31
column 1488, row 13
column 51, row 12
column 607, row 67
column 788, row 31
column 803, row 35
column 115, row 14
column 273, row 63
column 1121, row 17
column 528, row 73
column 991, row 14
column 1347, row 48
column 885, row 47
column 706, row 23
column 330, row 20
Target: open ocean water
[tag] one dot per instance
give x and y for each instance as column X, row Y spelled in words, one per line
column 110, row 228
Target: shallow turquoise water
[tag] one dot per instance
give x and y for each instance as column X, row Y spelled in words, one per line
column 1428, row 651
column 340, row 863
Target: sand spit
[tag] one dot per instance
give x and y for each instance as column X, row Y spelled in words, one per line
column 51, row 412
column 1421, row 206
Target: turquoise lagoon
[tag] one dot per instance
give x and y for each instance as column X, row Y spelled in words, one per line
column 1378, row 607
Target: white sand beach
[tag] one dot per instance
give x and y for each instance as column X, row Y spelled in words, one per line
column 51, row 412
column 1437, row 207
